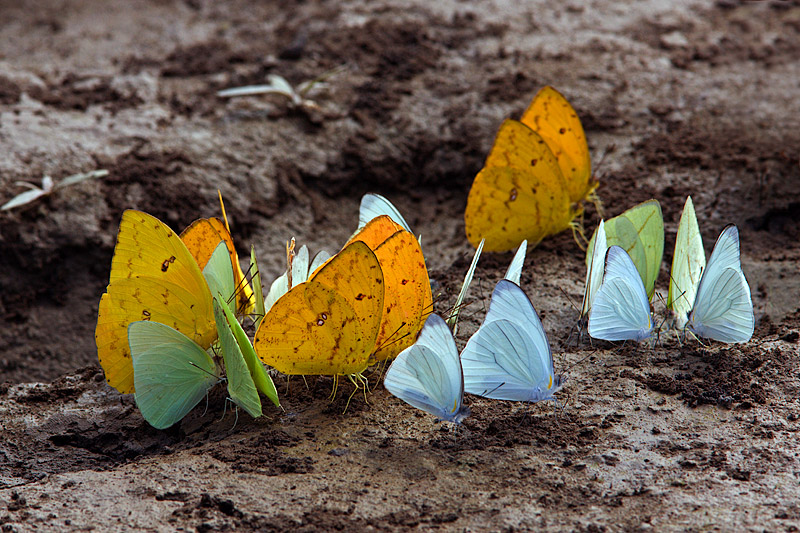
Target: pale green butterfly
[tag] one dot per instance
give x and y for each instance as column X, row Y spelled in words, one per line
column 688, row 263
column 452, row 320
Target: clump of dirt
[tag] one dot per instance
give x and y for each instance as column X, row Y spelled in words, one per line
column 9, row 91
column 78, row 93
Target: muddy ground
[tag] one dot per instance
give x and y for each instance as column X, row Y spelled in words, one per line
column 685, row 97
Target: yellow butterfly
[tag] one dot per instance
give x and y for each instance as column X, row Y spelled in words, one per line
column 327, row 325
column 407, row 294
column 535, row 178
column 153, row 277
column 201, row 238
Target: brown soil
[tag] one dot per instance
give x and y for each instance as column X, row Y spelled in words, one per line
column 684, row 98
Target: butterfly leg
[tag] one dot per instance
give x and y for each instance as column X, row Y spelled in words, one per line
column 577, row 234
column 335, row 388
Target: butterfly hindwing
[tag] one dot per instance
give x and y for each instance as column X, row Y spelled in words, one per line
column 172, row 373
column 329, row 324
column 519, row 194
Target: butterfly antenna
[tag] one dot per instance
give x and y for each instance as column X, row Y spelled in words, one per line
column 222, row 208
column 573, row 365
column 392, row 339
column 486, row 392
column 571, row 303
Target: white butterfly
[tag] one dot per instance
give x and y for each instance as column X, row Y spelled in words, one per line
column 594, row 270
column 428, row 373
column 723, row 309
column 509, row 358
column 374, row 205
column 301, row 269
column 621, row 309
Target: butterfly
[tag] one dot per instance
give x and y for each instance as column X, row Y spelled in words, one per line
column 452, row 320
column 172, row 373
column 688, row 263
column 202, row 237
column 722, row 309
column 428, row 374
column 154, row 277
column 640, row 232
column 535, row 177
column 621, row 309
column 374, row 205
column 407, row 292
column 596, row 255
column 327, row 325
column 509, row 358
column 302, row 267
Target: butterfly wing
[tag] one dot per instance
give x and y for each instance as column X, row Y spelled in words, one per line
column 723, row 309
column 407, row 294
column 428, row 374
column 219, row 274
column 514, row 272
column 301, row 271
column 374, row 205
column 202, row 238
column 552, row 117
column 509, row 358
column 519, row 194
column 621, row 310
column 130, row 300
column 241, row 387
column 375, row 232
column 327, row 325
column 258, row 373
column 259, row 308
column 172, row 372
column 649, row 223
column 595, row 256
column 688, row 263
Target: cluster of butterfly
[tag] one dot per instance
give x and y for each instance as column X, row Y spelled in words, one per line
column 623, row 260
column 170, row 323
column 509, row 357
column 535, row 179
